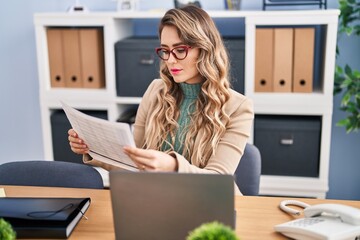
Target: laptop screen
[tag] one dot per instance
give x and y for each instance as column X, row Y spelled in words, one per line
column 169, row 205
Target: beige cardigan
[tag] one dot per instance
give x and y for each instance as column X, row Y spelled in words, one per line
column 231, row 145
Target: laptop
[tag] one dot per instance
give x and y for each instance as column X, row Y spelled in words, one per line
column 148, row 205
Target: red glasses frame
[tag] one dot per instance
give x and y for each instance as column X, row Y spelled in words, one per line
column 171, row 51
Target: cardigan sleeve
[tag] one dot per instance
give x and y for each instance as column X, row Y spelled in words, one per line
column 139, row 126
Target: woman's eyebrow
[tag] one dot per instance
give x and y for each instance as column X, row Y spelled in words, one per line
column 174, row 45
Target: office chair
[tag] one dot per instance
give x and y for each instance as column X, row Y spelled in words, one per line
column 50, row 174
column 247, row 174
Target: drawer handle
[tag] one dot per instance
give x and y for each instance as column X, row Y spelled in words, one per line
column 287, row 141
column 147, row 61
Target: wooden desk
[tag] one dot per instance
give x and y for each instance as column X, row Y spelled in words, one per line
column 256, row 216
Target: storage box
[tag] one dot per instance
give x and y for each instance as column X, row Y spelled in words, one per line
column 289, row 145
column 236, row 51
column 59, row 130
column 137, row 64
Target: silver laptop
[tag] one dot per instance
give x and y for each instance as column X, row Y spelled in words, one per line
column 166, row 206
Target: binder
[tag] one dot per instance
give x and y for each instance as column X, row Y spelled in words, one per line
column 55, row 51
column 304, row 40
column 43, row 217
column 72, row 63
column 92, row 58
column 283, row 59
column 264, row 53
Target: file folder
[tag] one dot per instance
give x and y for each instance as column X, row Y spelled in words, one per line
column 283, row 59
column 55, row 51
column 304, row 40
column 92, row 58
column 264, row 54
column 72, row 62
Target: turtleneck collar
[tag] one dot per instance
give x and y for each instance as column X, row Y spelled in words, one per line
column 191, row 90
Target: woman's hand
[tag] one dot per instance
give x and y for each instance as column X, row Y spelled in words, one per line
column 151, row 160
column 77, row 144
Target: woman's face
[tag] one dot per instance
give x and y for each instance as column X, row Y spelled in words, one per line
column 181, row 70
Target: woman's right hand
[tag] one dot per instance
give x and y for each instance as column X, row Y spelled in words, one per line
column 77, row 144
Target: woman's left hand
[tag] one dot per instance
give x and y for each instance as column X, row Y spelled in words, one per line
column 151, row 160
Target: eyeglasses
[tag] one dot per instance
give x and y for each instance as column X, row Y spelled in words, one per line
column 179, row 52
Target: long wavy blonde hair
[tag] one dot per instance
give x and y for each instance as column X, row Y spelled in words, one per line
column 196, row 29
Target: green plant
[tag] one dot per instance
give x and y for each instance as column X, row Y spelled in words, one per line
column 6, row 231
column 347, row 80
column 212, row 231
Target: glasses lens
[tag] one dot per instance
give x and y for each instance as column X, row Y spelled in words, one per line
column 180, row 52
column 163, row 53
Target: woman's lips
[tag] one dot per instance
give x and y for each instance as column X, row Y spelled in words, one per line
column 175, row 70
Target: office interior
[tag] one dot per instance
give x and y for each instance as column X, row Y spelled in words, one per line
column 20, row 121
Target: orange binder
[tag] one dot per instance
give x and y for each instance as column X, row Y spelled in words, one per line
column 283, row 59
column 264, row 53
column 304, row 39
column 55, row 51
column 71, row 45
column 92, row 58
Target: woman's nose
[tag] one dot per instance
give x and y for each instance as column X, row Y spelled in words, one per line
column 172, row 58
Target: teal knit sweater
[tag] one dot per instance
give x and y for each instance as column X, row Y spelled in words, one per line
column 187, row 107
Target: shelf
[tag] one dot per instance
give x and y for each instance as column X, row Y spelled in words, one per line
column 292, row 103
column 293, row 186
column 119, row 25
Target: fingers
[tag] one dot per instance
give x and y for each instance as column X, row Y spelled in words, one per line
column 138, row 152
column 77, row 145
column 151, row 160
column 72, row 132
column 140, row 157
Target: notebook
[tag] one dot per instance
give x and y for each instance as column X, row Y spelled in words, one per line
column 43, row 217
column 148, row 205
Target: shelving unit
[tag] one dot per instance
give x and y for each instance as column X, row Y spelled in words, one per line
column 117, row 26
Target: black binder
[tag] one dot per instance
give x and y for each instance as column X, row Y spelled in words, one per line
column 43, row 217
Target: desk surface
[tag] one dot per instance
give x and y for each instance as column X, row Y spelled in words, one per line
column 256, row 216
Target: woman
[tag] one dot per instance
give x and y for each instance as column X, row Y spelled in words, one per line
column 189, row 120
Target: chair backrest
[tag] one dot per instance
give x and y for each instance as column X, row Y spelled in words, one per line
column 50, row 174
column 248, row 172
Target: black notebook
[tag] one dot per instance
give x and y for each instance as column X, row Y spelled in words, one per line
column 43, row 217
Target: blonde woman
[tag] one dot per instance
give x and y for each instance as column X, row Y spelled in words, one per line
column 189, row 121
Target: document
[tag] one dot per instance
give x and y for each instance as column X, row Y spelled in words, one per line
column 104, row 139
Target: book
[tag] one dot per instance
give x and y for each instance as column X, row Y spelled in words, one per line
column 104, row 139
column 43, row 217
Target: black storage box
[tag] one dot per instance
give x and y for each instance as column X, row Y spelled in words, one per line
column 289, row 145
column 137, row 64
column 59, row 130
column 236, row 51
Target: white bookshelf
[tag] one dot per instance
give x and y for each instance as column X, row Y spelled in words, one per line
column 119, row 25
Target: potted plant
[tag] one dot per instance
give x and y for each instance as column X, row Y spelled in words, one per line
column 212, row 231
column 347, row 80
column 6, row 231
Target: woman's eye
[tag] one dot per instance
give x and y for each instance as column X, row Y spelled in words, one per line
column 180, row 50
